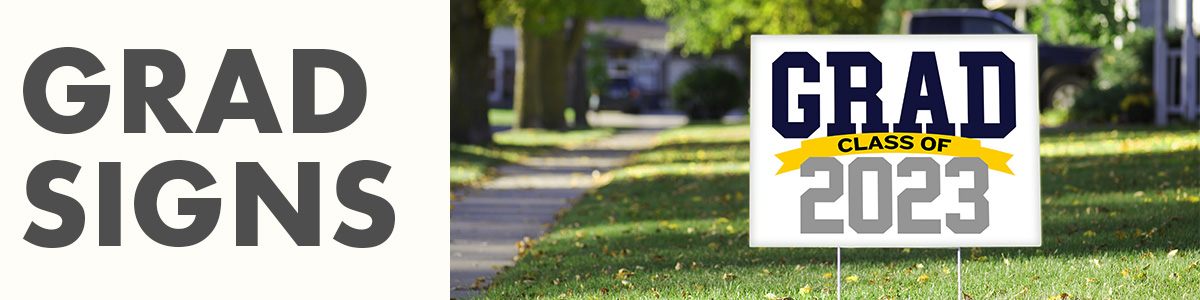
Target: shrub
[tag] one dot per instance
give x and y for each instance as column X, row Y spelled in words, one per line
column 1122, row 89
column 1079, row 22
column 708, row 93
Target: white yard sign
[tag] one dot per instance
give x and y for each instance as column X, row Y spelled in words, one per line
column 894, row 141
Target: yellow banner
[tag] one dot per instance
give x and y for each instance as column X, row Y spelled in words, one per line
column 892, row 142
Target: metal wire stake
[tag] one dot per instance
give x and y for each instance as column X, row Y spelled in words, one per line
column 959, row 274
column 839, row 273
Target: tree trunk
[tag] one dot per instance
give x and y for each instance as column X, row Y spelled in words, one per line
column 553, row 80
column 578, row 91
column 469, row 42
column 527, row 90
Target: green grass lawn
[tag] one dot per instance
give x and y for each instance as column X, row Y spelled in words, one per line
column 470, row 163
column 1121, row 220
column 506, row 117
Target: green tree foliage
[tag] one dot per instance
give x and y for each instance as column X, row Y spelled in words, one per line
column 1078, row 22
column 705, row 26
column 1121, row 89
column 892, row 13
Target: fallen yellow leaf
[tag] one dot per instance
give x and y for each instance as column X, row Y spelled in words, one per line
column 852, row 278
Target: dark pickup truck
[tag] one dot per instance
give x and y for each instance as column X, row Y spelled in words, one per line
column 1063, row 70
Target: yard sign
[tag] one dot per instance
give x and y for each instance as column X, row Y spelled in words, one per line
column 894, row 141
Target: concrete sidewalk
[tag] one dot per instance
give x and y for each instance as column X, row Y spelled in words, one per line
column 488, row 220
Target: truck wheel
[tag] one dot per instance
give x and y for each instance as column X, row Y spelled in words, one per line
column 1062, row 92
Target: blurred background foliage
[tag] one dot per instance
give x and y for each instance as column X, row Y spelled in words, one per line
column 708, row 93
column 1122, row 88
column 596, row 56
column 705, row 26
column 1081, row 22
